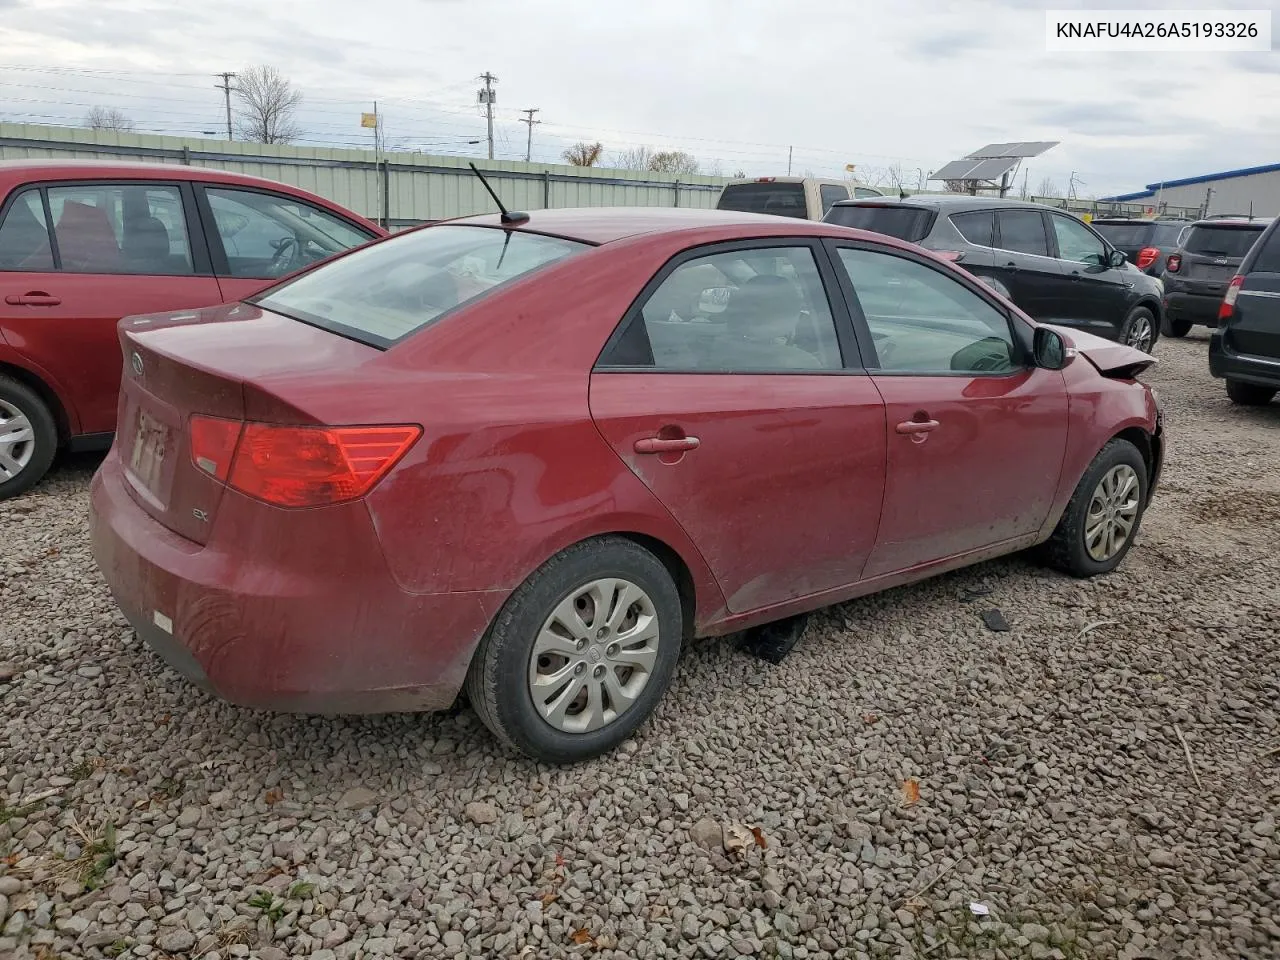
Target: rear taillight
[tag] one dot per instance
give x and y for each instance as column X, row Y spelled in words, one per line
column 293, row 466
column 1174, row 263
column 1147, row 256
column 213, row 444
column 955, row 256
column 1228, row 305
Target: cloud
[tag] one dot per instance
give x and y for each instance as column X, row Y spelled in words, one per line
column 950, row 44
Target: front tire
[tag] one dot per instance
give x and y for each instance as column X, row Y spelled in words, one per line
column 28, row 438
column 1139, row 329
column 1249, row 394
column 1101, row 521
column 581, row 652
column 1177, row 328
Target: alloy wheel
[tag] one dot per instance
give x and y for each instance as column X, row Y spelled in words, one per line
column 1139, row 334
column 1113, row 511
column 594, row 655
column 17, row 441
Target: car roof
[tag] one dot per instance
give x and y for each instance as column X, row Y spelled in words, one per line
column 19, row 170
column 1260, row 223
column 607, row 224
column 955, row 202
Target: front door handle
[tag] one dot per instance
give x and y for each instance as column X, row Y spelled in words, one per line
column 666, row 445
column 1011, row 265
column 915, row 427
column 35, row 298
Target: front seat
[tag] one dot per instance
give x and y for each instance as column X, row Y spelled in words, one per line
column 760, row 321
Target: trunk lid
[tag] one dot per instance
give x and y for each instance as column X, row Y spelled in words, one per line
column 215, row 363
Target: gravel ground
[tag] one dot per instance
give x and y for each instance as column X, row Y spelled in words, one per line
column 141, row 818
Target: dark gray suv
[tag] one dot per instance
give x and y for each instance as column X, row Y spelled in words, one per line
column 1049, row 263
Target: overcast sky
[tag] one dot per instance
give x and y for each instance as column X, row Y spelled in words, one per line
column 735, row 82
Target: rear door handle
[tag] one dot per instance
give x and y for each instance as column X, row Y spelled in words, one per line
column 33, row 299
column 917, row 426
column 662, row 445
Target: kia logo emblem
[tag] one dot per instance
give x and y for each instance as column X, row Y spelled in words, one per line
column 136, row 363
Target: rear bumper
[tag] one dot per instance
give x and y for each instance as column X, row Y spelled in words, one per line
column 1226, row 364
column 1201, row 308
column 262, row 625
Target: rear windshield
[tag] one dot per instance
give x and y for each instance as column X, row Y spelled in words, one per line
column 1222, row 241
column 1126, row 234
column 383, row 293
column 780, row 199
column 905, row 223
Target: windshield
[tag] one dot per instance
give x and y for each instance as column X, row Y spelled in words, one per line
column 385, row 292
column 781, row 199
column 1222, row 241
column 905, row 223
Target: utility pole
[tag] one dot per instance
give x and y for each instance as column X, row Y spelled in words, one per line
column 226, row 87
column 789, row 149
column 487, row 97
column 529, row 112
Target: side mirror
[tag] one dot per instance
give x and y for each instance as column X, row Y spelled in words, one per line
column 1049, row 349
column 1116, row 259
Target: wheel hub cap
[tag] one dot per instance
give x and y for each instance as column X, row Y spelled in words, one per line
column 1140, row 334
column 1113, row 511
column 17, row 441
column 594, row 655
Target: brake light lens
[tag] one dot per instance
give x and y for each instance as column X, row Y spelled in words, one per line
column 1174, row 263
column 955, row 256
column 765, row 179
column 1228, row 306
column 294, row 466
column 213, row 444
column 1147, row 256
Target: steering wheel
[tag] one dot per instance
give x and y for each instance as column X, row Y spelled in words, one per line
column 285, row 255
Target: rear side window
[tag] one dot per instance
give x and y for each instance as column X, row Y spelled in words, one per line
column 1126, row 234
column 978, row 227
column 1167, row 234
column 1268, row 257
column 1023, row 232
column 390, row 290
column 830, row 193
column 780, row 199
column 121, row 228
column 1221, row 241
column 24, row 235
column 906, row 223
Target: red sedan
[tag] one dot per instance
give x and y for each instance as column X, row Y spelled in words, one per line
column 83, row 244
column 534, row 459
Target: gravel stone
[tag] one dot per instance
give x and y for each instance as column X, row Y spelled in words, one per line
column 1054, row 786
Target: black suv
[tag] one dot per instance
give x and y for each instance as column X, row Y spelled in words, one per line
column 1196, row 274
column 1048, row 262
column 1245, row 348
column 1145, row 242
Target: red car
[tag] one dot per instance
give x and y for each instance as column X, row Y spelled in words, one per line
column 83, row 244
column 533, row 459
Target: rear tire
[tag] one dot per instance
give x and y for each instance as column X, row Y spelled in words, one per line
column 28, row 438
column 1140, row 329
column 595, row 632
column 1249, row 394
column 1104, row 494
column 1176, row 328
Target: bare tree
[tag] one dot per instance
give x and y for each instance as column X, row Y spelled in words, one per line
column 956, row 186
column 894, row 175
column 1047, row 188
column 739, row 174
column 584, row 154
column 107, row 118
column 673, row 161
column 634, row 158
column 268, row 102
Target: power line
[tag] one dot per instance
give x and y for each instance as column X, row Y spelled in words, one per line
column 528, row 150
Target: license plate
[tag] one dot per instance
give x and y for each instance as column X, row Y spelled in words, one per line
column 146, row 461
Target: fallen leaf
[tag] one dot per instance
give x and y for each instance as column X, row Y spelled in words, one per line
column 163, row 719
column 560, row 860
column 549, row 898
column 581, row 936
column 910, row 792
column 736, row 839
column 869, row 718
column 11, row 860
column 761, row 842
column 274, row 796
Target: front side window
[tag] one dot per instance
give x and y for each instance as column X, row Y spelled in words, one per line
column 1076, row 242
column 267, row 235
column 24, row 235
column 740, row 311
column 121, row 228
column 831, row 193
column 1022, row 231
column 923, row 321
column 390, row 290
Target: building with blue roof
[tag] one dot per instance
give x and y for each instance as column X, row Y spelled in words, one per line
column 1247, row 190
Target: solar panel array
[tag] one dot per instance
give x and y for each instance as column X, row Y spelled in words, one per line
column 1019, row 148
column 993, row 161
